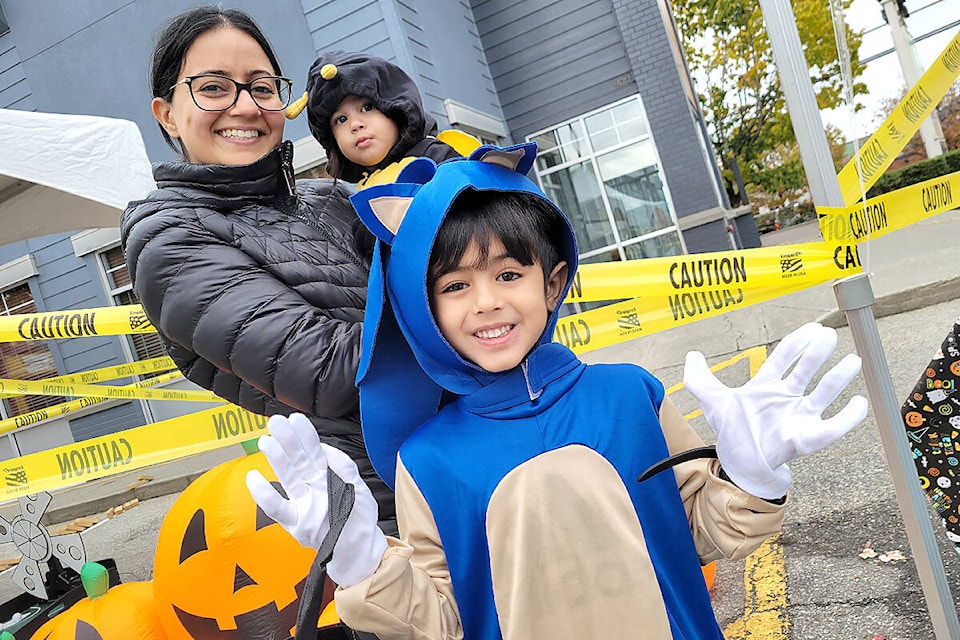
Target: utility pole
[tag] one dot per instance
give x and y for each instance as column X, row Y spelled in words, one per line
column 894, row 11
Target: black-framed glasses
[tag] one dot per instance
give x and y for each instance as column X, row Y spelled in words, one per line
column 214, row 92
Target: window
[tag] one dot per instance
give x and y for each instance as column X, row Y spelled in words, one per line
column 603, row 171
column 31, row 360
column 143, row 345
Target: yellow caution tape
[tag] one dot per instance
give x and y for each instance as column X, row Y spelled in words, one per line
column 890, row 211
column 672, row 278
column 129, row 450
column 41, row 388
column 880, row 150
column 167, row 440
column 80, row 323
column 631, row 319
column 57, row 410
column 105, row 374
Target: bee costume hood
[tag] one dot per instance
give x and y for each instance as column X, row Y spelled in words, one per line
column 338, row 74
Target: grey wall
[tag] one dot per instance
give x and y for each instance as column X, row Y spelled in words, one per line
column 14, row 88
column 668, row 101
column 107, row 421
column 65, row 281
column 93, row 57
column 552, row 60
column 435, row 41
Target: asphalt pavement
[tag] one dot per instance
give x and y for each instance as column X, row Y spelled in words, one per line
column 910, row 270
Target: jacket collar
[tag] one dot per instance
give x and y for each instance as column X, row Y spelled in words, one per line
column 270, row 176
column 539, row 381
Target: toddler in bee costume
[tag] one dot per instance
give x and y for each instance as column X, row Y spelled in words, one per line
column 518, row 505
column 368, row 116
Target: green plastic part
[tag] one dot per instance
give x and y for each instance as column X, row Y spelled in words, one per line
column 95, row 579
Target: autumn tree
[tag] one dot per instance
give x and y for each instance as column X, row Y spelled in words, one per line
column 948, row 111
column 729, row 54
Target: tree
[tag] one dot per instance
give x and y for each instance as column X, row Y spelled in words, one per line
column 948, row 111
column 728, row 51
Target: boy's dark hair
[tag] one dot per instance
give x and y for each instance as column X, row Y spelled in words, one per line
column 529, row 227
column 177, row 36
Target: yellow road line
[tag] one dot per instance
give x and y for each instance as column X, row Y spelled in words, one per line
column 765, row 605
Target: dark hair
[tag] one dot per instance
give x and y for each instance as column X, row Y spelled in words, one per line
column 178, row 35
column 529, row 227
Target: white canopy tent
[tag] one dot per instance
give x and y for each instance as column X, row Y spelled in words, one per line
column 62, row 173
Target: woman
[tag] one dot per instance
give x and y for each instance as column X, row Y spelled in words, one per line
column 256, row 284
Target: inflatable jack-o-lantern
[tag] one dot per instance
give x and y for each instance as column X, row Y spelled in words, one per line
column 710, row 574
column 222, row 568
column 124, row 612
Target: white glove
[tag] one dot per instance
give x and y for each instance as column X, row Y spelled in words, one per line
column 769, row 421
column 301, row 462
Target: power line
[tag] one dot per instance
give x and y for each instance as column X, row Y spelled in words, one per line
column 914, row 12
column 917, row 39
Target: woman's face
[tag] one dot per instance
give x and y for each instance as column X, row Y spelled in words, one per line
column 243, row 133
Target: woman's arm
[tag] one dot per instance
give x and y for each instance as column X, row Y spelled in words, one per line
column 209, row 297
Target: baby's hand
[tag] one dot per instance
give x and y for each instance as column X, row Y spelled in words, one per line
column 767, row 422
column 302, row 464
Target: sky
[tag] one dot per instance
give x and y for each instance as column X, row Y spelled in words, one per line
column 883, row 76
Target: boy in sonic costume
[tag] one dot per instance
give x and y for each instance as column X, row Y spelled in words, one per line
column 519, row 511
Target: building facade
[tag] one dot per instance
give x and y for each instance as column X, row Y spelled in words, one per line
column 600, row 85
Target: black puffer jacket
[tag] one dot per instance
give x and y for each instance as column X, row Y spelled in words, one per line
column 258, row 293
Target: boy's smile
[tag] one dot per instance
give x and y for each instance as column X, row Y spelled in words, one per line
column 493, row 314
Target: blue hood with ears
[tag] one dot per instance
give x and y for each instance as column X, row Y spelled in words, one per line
column 406, row 363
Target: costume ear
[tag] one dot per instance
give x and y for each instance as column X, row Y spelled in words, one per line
column 390, row 210
column 382, row 207
column 417, row 171
column 518, row 158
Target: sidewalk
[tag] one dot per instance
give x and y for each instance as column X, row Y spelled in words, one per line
column 910, row 268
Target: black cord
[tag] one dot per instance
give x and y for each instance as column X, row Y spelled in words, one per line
column 683, row 456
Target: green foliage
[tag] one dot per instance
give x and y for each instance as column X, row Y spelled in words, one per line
column 726, row 44
column 923, row 170
column 785, row 217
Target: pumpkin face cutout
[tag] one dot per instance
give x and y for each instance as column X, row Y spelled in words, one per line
column 125, row 612
column 222, row 568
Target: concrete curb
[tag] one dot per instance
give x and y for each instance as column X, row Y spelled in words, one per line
column 909, row 299
column 99, row 504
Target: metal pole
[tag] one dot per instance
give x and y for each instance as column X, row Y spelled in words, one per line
column 801, row 102
column 855, row 297
column 930, row 131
